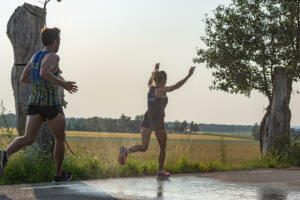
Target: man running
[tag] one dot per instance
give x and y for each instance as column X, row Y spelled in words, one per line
column 154, row 118
column 43, row 105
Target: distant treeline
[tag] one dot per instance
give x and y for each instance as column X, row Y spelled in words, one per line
column 8, row 120
column 225, row 128
column 132, row 125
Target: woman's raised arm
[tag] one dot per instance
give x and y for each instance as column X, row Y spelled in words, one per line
column 180, row 83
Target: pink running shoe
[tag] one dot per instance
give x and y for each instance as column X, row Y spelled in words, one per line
column 123, row 155
column 163, row 174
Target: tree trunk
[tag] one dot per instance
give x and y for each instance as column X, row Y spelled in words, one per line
column 276, row 122
column 262, row 125
column 23, row 30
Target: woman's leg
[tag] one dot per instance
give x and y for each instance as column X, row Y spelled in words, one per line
column 146, row 133
column 161, row 136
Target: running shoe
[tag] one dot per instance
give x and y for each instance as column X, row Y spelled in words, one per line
column 3, row 161
column 123, row 155
column 163, row 174
column 65, row 176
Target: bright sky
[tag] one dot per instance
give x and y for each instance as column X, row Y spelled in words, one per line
column 110, row 47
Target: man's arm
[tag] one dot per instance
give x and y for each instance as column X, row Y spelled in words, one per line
column 47, row 73
column 25, row 77
column 46, row 70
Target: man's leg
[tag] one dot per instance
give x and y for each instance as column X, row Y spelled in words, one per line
column 33, row 125
column 57, row 126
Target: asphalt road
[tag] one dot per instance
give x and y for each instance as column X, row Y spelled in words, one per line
column 275, row 184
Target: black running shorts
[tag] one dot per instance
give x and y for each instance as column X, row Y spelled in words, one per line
column 47, row 112
column 154, row 124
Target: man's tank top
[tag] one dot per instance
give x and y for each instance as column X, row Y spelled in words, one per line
column 44, row 92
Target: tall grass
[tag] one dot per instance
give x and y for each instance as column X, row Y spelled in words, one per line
column 223, row 149
column 101, row 161
column 38, row 166
column 97, row 158
column 6, row 134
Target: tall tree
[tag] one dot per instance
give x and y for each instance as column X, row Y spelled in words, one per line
column 183, row 126
column 246, row 40
column 194, row 127
column 124, row 123
column 176, row 126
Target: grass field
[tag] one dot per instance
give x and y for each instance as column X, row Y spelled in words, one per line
column 170, row 136
column 96, row 156
column 196, row 147
column 205, row 148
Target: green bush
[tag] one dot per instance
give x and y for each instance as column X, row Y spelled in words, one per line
column 29, row 166
column 286, row 151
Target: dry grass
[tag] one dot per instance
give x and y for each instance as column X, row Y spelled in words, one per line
column 12, row 130
column 204, row 148
column 170, row 136
column 131, row 135
column 108, row 152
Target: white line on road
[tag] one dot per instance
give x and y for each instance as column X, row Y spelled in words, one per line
column 260, row 172
column 49, row 186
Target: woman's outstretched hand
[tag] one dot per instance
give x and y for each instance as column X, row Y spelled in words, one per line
column 192, row 69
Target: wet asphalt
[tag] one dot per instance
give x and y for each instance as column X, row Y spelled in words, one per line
column 265, row 184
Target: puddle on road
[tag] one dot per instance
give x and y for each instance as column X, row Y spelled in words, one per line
column 273, row 194
column 187, row 188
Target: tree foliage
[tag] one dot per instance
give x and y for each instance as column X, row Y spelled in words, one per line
column 247, row 39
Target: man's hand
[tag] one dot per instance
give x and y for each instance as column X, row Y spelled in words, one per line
column 70, row 86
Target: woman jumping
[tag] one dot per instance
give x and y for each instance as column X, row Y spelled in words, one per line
column 154, row 117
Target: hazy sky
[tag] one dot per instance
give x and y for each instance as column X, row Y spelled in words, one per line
column 110, row 47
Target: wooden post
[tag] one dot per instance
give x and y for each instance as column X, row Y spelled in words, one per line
column 23, row 30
